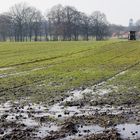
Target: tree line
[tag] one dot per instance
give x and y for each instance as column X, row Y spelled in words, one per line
column 26, row 23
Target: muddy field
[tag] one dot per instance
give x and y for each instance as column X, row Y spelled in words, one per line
column 84, row 114
column 35, row 104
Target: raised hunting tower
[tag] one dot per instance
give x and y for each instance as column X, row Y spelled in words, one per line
column 132, row 35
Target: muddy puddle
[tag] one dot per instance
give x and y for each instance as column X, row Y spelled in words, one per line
column 83, row 130
column 72, row 118
column 46, row 121
column 33, row 116
column 125, row 131
column 129, row 131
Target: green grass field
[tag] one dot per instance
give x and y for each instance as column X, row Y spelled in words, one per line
column 53, row 90
column 44, row 70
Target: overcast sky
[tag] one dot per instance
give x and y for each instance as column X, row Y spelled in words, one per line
column 117, row 11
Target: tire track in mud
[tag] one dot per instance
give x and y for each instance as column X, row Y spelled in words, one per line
column 37, row 81
column 98, row 82
column 119, row 73
column 120, row 55
column 52, row 58
column 44, row 59
column 36, row 69
column 4, row 75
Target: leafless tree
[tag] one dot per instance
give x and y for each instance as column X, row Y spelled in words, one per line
column 55, row 18
column 85, row 26
column 37, row 22
column 69, row 19
column 5, row 26
column 26, row 21
column 23, row 22
column 18, row 14
column 99, row 24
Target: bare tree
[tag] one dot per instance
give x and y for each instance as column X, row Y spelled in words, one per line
column 99, row 24
column 55, row 18
column 23, row 22
column 5, row 26
column 69, row 13
column 30, row 16
column 46, row 28
column 26, row 22
column 76, row 24
column 37, row 24
column 85, row 26
column 18, row 14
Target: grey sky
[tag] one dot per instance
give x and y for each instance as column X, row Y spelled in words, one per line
column 117, row 11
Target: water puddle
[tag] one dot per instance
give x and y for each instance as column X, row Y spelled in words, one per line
column 59, row 110
column 46, row 130
column 126, row 131
column 129, row 131
column 4, row 132
column 30, row 115
column 85, row 130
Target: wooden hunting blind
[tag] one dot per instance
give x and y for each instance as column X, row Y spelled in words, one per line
column 132, row 35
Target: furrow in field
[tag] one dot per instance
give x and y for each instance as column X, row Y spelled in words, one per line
column 41, row 68
column 96, row 83
column 52, row 58
column 39, row 80
column 44, row 59
column 120, row 72
column 118, row 56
